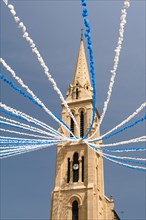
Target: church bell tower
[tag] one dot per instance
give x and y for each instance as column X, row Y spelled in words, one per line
column 79, row 183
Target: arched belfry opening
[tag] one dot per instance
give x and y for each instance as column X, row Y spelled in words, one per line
column 75, row 210
column 72, row 125
column 75, row 167
column 83, row 168
column 82, row 123
column 68, row 170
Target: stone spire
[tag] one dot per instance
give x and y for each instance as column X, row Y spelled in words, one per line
column 79, row 183
column 81, row 85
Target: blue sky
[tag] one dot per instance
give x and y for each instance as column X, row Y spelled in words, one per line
column 27, row 180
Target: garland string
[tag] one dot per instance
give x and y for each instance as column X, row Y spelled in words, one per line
column 92, row 67
column 10, row 83
column 39, row 58
column 116, row 61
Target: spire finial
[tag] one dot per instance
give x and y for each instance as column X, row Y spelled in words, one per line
column 82, row 33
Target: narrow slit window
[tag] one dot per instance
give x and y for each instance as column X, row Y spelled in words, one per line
column 68, row 170
column 75, row 167
column 75, row 211
column 81, row 124
column 77, row 93
column 82, row 169
column 72, row 126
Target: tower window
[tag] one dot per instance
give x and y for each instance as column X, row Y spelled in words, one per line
column 77, row 93
column 75, row 211
column 71, row 126
column 81, row 124
column 75, row 167
column 68, row 171
column 82, row 169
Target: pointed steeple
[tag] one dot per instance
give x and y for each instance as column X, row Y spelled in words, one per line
column 81, row 85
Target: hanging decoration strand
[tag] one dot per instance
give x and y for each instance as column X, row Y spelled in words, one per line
column 39, row 58
column 22, row 116
column 19, row 80
column 121, row 130
column 17, row 145
column 125, row 121
column 9, row 143
column 6, row 2
column 125, row 128
column 22, row 133
column 17, row 139
column 135, row 140
column 115, row 149
column 128, row 161
column 24, row 126
column 116, row 61
column 10, row 83
column 25, row 151
column 31, row 128
column 117, row 55
column 92, row 67
column 120, row 163
column 17, row 148
column 126, row 165
column 16, row 126
column 119, row 150
column 127, row 158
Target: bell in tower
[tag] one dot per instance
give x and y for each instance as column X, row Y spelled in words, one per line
column 79, row 183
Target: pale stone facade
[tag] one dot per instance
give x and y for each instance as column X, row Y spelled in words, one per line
column 79, row 185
